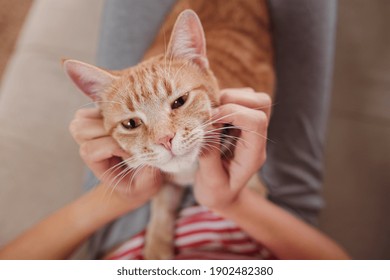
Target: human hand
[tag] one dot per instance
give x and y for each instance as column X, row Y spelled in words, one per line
column 104, row 157
column 218, row 181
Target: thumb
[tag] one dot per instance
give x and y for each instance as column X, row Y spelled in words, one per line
column 210, row 163
column 149, row 176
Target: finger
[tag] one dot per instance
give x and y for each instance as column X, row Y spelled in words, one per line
column 148, row 177
column 86, row 129
column 249, row 153
column 252, row 123
column 100, row 149
column 250, row 99
column 210, row 164
column 244, row 88
column 96, row 153
column 91, row 113
column 228, row 113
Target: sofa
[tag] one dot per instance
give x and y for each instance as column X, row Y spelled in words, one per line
column 40, row 166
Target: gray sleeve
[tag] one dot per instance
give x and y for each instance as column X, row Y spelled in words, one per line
column 304, row 34
column 128, row 28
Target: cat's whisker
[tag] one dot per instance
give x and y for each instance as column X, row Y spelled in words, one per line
column 115, row 177
column 221, row 151
column 211, row 121
column 112, row 169
column 120, row 174
column 123, row 175
column 126, row 174
column 235, row 138
column 217, row 143
column 221, row 145
column 118, row 178
column 139, row 168
column 117, row 166
column 209, row 147
column 254, row 132
column 244, row 129
column 221, row 128
column 212, row 134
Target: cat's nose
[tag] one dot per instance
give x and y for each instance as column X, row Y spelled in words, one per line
column 166, row 141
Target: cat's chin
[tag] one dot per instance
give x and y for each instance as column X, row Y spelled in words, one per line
column 178, row 165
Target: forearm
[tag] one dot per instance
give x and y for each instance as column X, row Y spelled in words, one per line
column 283, row 234
column 57, row 236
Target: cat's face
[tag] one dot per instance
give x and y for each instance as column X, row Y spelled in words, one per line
column 160, row 114
column 158, row 111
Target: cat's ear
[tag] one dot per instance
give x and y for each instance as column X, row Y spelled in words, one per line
column 88, row 78
column 187, row 40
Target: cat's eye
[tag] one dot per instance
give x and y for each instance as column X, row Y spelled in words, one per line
column 180, row 101
column 132, row 123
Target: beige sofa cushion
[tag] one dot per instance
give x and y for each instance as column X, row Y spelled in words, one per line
column 40, row 167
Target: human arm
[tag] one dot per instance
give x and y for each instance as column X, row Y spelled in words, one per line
column 61, row 233
column 57, row 236
column 282, row 233
column 220, row 186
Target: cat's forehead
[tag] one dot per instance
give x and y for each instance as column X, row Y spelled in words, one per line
column 153, row 83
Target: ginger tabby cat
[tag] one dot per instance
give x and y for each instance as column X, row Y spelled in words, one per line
column 159, row 110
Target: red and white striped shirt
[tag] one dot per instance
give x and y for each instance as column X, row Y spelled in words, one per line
column 200, row 234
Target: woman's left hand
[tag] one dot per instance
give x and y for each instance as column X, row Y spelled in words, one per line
column 219, row 182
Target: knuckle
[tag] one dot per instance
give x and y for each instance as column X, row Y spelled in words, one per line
column 80, row 113
column 232, row 107
column 84, row 151
column 258, row 121
column 225, row 109
column 267, row 100
column 226, row 97
column 73, row 126
column 74, row 129
column 264, row 99
column 261, row 118
column 222, row 99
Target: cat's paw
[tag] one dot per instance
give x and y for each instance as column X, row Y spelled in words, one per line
column 156, row 248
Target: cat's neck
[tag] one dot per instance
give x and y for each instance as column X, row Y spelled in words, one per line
column 184, row 177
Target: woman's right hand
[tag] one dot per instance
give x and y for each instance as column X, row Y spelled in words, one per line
column 103, row 156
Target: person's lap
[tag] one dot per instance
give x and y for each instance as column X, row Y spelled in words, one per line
column 304, row 40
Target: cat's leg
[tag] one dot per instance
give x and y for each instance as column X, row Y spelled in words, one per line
column 160, row 234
